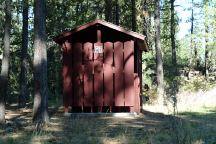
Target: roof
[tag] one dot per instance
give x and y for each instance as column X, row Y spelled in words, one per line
column 140, row 38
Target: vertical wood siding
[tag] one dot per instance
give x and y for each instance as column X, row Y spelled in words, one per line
column 100, row 79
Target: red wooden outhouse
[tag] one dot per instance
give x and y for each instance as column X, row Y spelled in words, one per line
column 102, row 68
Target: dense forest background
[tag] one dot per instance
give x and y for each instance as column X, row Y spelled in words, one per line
column 179, row 72
column 188, row 62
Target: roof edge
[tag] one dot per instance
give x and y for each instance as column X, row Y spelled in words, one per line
column 57, row 39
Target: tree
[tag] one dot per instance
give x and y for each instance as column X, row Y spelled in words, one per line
column 191, row 40
column 206, row 25
column 5, row 61
column 23, row 73
column 193, row 45
column 172, row 33
column 145, row 20
column 117, row 12
column 133, row 8
column 40, row 108
column 108, row 10
column 159, row 60
column 166, row 43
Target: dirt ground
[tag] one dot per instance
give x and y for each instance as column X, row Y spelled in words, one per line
column 148, row 127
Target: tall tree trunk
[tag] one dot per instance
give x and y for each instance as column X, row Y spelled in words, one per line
column 108, row 10
column 133, row 8
column 191, row 41
column 77, row 12
column 40, row 108
column 206, row 3
column 24, row 61
column 206, row 54
column 117, row 12
column 146, row 20
column 159, row 60
column 5, row 61
column 172, row 31
column 197, row 61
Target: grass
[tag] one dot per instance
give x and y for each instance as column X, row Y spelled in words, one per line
column 148, row 128
column 204, row 123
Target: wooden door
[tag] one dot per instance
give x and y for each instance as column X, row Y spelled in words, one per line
column 118, row 73
column 108, row 74
column 129, row 90
column 102, row 74
column 77, row 75
column 98, row 74
column 88, row 73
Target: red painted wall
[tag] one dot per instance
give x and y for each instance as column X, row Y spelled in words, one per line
column 99, row 79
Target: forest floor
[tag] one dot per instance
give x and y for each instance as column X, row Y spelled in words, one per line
column 148, row 127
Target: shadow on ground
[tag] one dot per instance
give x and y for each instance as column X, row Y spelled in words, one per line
column 149, row 128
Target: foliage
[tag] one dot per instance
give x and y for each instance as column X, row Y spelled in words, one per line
column 197, row 84
column 64, row 15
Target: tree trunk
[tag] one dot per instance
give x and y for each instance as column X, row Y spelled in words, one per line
column 146, row 20
column 117, row 12
column 206, row 3
column 159, row 60
column 172, row 31
column 133, row 8
column 191, row 42
column 206, row 54
column 24, row 61
column 5, row 61
column 40, row 108
column 197, row 61
column 108, row 10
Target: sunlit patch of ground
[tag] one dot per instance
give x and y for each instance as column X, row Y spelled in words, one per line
column 195, row 113
column 199, row 101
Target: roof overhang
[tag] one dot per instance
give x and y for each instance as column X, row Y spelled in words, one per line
column 140, row 39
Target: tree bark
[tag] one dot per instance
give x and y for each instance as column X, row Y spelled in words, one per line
column 24, row 61
column 108, row 10
column 5, row 61
column 206, row 3
column 117, row 12
column 172, row 31
column 40, row 108
column 197, row 61
column 133, row 8
column 146, row 20
column 206, row 54
column 159, row 59
column 191, row 41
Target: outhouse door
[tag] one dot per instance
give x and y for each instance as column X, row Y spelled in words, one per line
column 103, row 74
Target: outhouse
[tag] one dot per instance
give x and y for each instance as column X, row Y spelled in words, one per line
column 102, row 68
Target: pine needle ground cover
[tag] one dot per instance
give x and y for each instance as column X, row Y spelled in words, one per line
column 148, row 128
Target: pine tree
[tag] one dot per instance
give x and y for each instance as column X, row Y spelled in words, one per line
column 108, row 10
column 191, row 40
column 172, row 34
column 117, row 12
column 23, row 75
column 159, row 60
column 206, row 24
column 5, row 61
column 146, row 20
column 133, row 9
column 40, row 108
